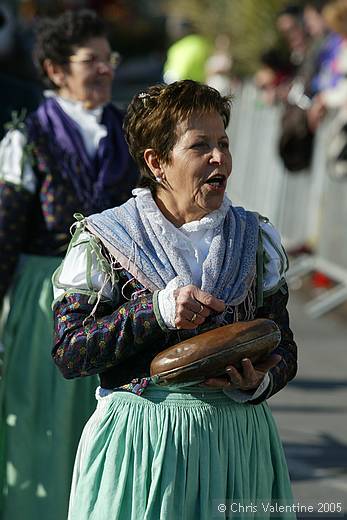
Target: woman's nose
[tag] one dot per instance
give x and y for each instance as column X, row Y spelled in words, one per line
column 217, row 155
column 105, row 68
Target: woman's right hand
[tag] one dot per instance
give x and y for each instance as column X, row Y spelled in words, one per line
column 193, row 306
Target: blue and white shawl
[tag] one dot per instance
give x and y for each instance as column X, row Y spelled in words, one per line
column 136, row 241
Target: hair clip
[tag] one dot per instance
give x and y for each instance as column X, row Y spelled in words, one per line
column 144, row 98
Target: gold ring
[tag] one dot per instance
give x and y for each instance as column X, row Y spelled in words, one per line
column 193, row 317
column 201, row 307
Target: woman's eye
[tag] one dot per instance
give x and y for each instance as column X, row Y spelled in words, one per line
column 200, row 144
column 224, row 145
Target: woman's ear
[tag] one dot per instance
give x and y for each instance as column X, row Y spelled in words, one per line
column 151, row 158
column 55, row 72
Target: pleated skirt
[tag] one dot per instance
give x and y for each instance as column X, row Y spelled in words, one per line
column 41, row 414
column 169, row 455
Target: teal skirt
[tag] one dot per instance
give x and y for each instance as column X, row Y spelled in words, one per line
column 176, row 455
column 42, row 415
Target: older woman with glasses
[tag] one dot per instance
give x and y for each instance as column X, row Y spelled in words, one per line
column 68, row 157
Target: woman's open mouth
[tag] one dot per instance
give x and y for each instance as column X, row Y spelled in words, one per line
column 217, row 182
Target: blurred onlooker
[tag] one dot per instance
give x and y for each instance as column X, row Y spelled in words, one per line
column 290, row 24
column 274, row 76
column 324, row 47
column 219, row 66
column 334, row 95
column 295, row 142
column 314, row 48
column 313, row 20
column 335, row 15
column 309, row 42
column 187, row 56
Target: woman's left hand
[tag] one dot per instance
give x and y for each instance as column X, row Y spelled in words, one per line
column 249, row 378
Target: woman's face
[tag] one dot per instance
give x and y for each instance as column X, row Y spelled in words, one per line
column 292, row 31
column 196, row 178
column 88, row 76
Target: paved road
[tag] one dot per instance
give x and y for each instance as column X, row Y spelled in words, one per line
column 311, row 411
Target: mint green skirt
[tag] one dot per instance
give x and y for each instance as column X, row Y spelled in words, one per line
column 172, row 455
column 41, row 415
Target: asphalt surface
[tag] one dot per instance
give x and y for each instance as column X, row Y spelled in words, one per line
column 311, row 411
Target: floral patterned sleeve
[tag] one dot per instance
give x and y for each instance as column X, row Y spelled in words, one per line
column 86, row 345
column 17, row 193
column 275, row 308
column 14, row 206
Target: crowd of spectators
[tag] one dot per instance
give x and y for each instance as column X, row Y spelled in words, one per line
column 309, row 70
column 305, row 74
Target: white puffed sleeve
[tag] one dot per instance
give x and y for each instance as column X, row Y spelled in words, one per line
column 275, row 258
column 82, row 270
column 15, row 167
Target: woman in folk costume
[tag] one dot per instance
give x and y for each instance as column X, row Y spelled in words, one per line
column 174, row 260
column 69, row 156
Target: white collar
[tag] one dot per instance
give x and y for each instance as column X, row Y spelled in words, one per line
column 75, row 109
column 88, row 121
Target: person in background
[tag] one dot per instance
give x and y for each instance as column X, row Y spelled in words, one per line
column 310, row 31
column 325, row 47
column 274, row 76
column 304, row 31
column 332, row 100
column 67, row 157
column 187, row 56
column 173, row 261
column 333, row 94
column 296, row 132
column 219, row 66
column 313, row 20
column 290, row 25
column 283, row 68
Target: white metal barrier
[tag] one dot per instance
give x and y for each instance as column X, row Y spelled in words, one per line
column 307, row 207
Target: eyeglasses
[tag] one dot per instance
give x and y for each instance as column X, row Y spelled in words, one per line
column 92, row 61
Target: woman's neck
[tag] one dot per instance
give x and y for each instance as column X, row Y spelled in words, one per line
column 176, row 214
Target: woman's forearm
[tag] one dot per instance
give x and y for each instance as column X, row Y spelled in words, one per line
column 86, row 345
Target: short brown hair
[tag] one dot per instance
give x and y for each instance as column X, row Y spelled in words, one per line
column 153, row 116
